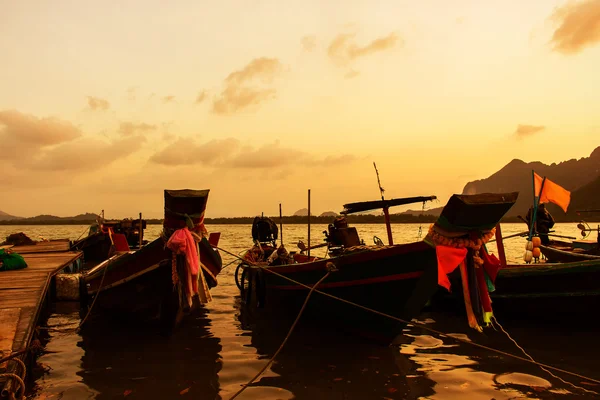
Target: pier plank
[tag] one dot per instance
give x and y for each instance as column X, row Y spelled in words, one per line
column 23, row 291
column 9, row 319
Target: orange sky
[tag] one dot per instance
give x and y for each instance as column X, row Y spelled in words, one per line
column 104, row 105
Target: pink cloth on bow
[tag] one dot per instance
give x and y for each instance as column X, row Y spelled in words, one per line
column 182, row 242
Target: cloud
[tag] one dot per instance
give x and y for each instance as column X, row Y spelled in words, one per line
column 98, row 104
column 186, row 151
column 528, row 130
column 130, row 128
column 267, row 156
column 201, row 97
column 351, row 74
column 230, row 154
column 238, row 93
column 309, row 43
column 23, row 130
column 343, row 48
column 330, row 161
column 168, row 99
column 86, row 154
column 578, row 26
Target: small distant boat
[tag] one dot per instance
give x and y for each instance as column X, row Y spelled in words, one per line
column 577, row 250
column 150, row 283
column 396, row 279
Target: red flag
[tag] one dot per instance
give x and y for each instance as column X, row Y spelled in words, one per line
column 551, row 192
column 448, row 259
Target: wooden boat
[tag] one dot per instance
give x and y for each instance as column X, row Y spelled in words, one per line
column 578, row 250
column 396, row 279
column 547, row 289
column 140, row 283
column 106, row 237
column 544, row 290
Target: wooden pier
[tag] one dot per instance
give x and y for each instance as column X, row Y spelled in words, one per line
column 23, row 294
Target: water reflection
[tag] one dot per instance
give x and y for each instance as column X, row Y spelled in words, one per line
column 222, row 347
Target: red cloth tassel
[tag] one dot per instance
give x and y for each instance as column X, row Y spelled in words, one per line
column 448, row 258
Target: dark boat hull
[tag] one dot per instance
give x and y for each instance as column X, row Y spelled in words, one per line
column 138, row 286
column 396, row 280
column 95, row 247
column 549, row 291
column 566, row 254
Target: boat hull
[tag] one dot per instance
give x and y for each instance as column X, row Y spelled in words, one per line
column 562, row 254
column 138, row 286
column 396, row 280
column 548, row 291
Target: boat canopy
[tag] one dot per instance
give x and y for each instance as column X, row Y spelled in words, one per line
column 361, row 206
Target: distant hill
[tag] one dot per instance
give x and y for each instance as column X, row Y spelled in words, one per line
column 301, row 212
column 7, row 217
column 329, row 214
column 46, row 219
column 577, row 176
column 432, row 211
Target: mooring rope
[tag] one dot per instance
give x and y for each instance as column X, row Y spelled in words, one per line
column 423, row 326
column 263, row 369
column 19, row 381
column 78, row 329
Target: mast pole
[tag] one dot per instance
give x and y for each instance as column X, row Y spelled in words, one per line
column 280, row 225
column 141, row 232
column 386, row 211
column 308, row 222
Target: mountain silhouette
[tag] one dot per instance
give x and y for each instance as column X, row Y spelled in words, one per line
column 581, row 177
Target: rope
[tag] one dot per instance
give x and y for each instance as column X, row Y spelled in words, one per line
column 427, row 328
column 543, row 369
column 284, row 340
column 16, row 377
column 78, row 329
column 23, row 367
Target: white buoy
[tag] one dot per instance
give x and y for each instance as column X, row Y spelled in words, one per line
column 528, row 256
column 529, row 245
column 67, row 287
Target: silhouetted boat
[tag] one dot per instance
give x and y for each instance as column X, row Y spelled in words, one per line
column 147, row 284
column 548, row 288
column 396, row 279
column 107, row 237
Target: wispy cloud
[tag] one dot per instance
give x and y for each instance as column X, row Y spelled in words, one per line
column 201, row 97
column 268, row 156
column 230, row 154
column 528, row 130
column 343, row 49
column 98, row 104
column 50, row 144
column 239, row 94
column 309, row 42
column 578, row 26
column 186, row 151
column 130, row 128
column 168, row 99
column 351, row 74
column 86, row 154
column 24, row 130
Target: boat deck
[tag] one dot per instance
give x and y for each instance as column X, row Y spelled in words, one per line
column 22, row 292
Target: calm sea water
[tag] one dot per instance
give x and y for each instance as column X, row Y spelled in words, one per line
column 213, row 353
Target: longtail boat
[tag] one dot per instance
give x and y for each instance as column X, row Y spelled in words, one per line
column 396, row 279
column 155, row 282
column 107, row 237
column 541, row 289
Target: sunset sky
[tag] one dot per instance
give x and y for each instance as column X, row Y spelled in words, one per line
column 105, row 104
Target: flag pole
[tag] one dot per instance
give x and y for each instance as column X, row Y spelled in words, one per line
column 535, row 203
